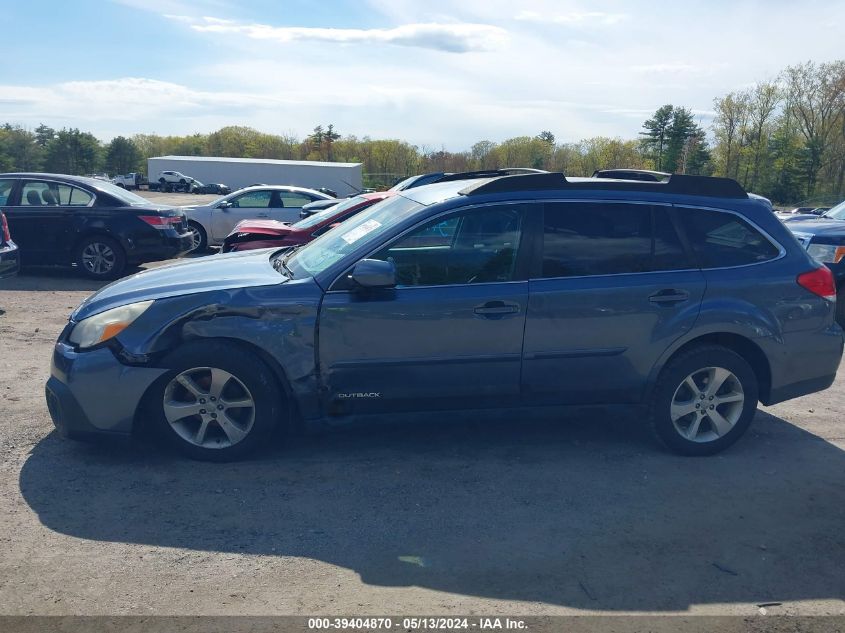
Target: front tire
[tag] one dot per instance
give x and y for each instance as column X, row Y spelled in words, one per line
column 199, row 236
column 704, row 400
column 218, row 403
column 100, row 257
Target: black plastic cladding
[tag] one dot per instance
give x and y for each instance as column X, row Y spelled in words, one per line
column 677, row 184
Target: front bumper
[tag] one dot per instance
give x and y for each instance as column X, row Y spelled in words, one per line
column 92, row 393
column 10, row 261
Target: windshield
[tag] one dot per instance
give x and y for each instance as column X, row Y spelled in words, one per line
column 836, row 213
column 126, row 197
column 358, row 231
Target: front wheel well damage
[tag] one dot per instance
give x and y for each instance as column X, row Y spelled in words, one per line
column 293, row 423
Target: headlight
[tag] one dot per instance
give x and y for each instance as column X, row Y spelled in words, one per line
column 826, row 253
column 101, row 327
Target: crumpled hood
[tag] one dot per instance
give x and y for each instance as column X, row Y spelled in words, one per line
column 203, row 274
column 263, row 227
column 818, row 226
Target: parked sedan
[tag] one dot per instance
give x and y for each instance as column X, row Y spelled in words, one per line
column 9, row 255
column 91, row 224
column 211, row 187
column 211, row 223
column 252, row 234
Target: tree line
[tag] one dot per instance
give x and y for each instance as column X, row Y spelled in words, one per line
column 783, row 138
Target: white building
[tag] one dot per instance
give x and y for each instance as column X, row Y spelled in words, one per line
column 344, row 178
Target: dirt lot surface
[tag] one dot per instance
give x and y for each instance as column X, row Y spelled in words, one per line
column 582, row 515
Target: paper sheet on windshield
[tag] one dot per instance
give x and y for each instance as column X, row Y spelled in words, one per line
column 360, row 231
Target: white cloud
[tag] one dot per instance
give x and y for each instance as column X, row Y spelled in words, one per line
column 449, row 37
column 574, row 18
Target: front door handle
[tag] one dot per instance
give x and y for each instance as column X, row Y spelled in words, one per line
column 262, row 215
column 669, row 296
column 496, row 309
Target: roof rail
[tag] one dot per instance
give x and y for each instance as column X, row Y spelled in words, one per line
column 490, row 173
column 678, row 184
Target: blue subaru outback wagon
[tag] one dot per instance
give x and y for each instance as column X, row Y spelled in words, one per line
column 686, row 296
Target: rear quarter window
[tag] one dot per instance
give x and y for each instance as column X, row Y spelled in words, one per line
column 721, row 239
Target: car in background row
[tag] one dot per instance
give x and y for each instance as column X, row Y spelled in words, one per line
column 318, row 205
column 10, row 262
column 213, row 187
column 91, row 224
column 253, row 234
column 799, row 214
column 643, row 175
column 439, row 176
column 824, row 238
column 211, row 223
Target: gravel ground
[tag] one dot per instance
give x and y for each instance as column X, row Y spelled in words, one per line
column 582, row 515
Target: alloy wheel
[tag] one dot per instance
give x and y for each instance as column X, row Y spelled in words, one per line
column 196, row 238
column 209, row 407
column 707, row 404
column 98, row 258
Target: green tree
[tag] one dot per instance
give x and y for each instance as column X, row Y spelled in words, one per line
column 656, row 135
column 73, row 152
column 19, row 150
column 122, row 156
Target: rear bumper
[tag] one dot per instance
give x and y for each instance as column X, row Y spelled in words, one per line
column 10, row 260
column 158, row 246
column 92, row 393
column 803, row 363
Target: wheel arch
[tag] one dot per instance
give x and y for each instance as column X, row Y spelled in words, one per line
column 738, row 343
column 294, row 421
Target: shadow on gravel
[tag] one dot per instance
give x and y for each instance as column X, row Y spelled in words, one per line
column 587, row 514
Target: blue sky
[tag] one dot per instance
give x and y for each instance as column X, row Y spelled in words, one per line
column 439, row 73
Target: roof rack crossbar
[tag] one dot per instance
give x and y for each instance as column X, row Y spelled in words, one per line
column 677, row 184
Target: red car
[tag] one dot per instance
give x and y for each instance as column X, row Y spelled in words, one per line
column 250, row 234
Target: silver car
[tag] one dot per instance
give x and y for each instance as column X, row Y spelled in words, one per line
column 212, row 222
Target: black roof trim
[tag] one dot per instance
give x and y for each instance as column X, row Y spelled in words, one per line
column 677, row 184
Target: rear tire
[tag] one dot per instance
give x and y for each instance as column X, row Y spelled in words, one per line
column 218, row 403
column 100, row 257
column 840, row 307
column 704, row 400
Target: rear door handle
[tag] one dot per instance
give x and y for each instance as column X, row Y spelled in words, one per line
column 496, row 309
column 262, row 215
column 669, row 296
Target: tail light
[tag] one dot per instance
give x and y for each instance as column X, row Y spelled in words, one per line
column 820, row 282
column 7, row 237
column 160, row 221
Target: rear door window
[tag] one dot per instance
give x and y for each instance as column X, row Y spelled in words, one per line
column 291, row 199
column 721, row 239
column 595, row 238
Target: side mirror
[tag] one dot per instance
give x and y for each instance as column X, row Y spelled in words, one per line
column 224, row 205
column 374, row 273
